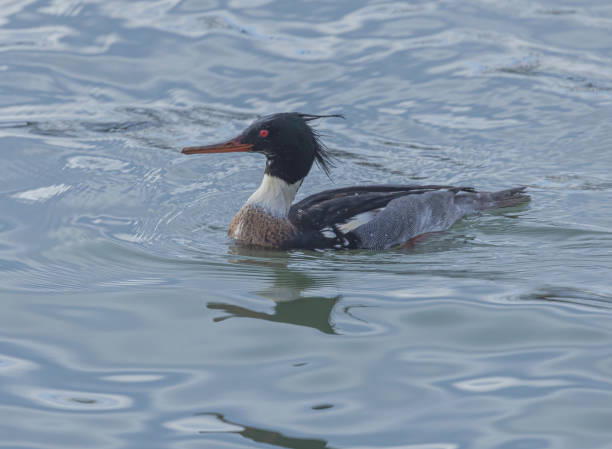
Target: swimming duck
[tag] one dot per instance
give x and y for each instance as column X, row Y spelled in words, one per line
column 369, row 216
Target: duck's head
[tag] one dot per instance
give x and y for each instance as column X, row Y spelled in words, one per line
column 286, row 139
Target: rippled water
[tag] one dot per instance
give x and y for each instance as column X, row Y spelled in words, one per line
column 129, row 320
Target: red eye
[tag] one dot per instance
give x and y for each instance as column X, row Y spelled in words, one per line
column 264, row 133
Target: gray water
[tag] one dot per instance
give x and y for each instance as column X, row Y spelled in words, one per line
column 129, row 320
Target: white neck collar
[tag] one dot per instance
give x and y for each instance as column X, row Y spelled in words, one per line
column 274, row 195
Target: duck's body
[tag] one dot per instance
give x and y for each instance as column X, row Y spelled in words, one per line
column 371, row 217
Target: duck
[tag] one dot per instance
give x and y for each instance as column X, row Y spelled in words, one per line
column 370, row 217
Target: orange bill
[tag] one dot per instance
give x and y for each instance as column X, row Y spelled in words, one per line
column 230, row 146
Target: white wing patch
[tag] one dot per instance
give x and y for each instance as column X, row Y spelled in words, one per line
column 358, row 220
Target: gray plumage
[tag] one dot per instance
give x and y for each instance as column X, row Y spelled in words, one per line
column 412, row 215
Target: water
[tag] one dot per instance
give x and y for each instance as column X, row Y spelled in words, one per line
column 129, row 320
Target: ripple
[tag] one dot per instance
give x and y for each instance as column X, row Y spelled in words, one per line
column 13, row 365
column 65, row 8
column 571, row 296
column 574, row 181
column 134, row 282
column 413, row 446
column 42, row 194
column 488, row 384
column 322, row 406
column 457, row 121
column 40, row 38
column 96, row 163
column 528, row 65
column 78, row 400
column 203, row 423
column 134, row 378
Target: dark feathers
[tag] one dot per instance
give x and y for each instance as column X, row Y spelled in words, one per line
column 322, row 157
column 309, row 117
column 335, row 207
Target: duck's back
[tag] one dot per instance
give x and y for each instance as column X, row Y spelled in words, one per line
column 396, row 213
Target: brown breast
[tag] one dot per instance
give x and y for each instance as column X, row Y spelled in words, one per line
column 254, row 227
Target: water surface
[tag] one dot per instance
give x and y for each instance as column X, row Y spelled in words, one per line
column 128, row 319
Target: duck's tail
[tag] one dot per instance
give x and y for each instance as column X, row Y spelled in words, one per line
column 501, row 199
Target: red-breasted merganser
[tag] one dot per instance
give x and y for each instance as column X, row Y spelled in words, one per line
column 393, row 214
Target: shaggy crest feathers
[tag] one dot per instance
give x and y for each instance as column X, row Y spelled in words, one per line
column 323, row 158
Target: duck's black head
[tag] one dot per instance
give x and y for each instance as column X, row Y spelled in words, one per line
column 286, row 139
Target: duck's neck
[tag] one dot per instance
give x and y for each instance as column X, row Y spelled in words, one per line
column 274, row 195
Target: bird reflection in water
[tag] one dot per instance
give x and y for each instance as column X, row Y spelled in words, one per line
column 270, row 437
column 286, row 291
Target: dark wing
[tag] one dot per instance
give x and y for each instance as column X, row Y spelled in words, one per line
column 331, row 208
